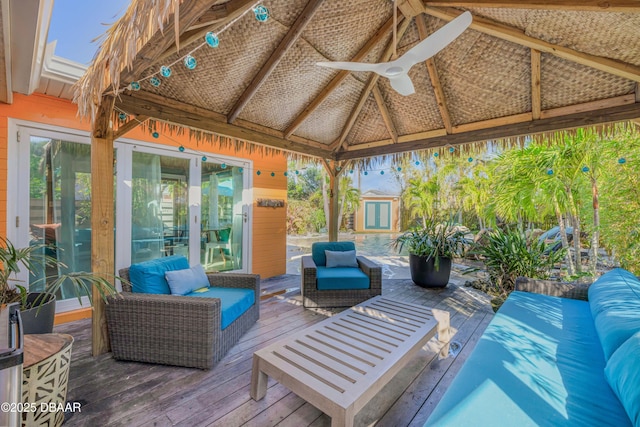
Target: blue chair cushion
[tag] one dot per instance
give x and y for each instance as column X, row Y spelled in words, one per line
column 233, row 301
column 539, row 362
column 623, row 374
column 615, row 305
column 341, row 278
column 182, row 282
column 318, row 248
column 149, row 276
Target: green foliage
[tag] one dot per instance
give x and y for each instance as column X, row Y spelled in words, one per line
column 508, row 254
column 433, row 240
column 13, row 259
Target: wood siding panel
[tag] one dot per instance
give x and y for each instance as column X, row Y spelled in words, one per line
column 269, row 224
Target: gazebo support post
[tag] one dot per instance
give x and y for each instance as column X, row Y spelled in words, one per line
column 102, row 217
column 334, row 207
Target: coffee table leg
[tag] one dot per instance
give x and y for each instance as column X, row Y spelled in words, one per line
column 258, row 380
column 444, row 332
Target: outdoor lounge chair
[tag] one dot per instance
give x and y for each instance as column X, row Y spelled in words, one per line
column 342, row 280
column 189, row 331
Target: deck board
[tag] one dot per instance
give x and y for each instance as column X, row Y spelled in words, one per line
column 118, row 393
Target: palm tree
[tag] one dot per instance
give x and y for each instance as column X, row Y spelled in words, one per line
column 349, row 197
column 420, row 198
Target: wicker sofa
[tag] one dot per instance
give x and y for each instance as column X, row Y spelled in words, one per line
column 553, row 360
column 177, row 330
column 332, row 287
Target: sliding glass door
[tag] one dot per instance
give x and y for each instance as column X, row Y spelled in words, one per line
column 181, row 204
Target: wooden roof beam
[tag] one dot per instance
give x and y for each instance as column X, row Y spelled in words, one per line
column 218, row 15
column 133, row 123
column 515, row 35
column 190, row 11
column 536, row 94
column 148, row 104
column 386, row 115
column 580, row 119
column 435, row 79
column 582, row 5
column 283, row 47
column 373, row 81
column 340, row 76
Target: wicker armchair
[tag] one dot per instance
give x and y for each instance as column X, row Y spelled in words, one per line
column 177, row 330
column 314, row 297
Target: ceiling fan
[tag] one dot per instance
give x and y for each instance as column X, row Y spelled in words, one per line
column 397, row 70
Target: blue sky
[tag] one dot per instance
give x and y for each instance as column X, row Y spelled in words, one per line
column 75, row 23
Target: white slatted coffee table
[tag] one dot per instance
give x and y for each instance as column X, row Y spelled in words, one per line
column 339, row 364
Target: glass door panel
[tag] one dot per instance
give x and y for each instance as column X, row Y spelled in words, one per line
column 160, row 208
column 222, row 217
column 60, row 208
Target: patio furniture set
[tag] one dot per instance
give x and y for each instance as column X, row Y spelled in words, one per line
column 543, row 359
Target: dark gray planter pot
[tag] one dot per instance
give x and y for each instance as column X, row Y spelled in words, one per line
column 39, row 319
column 424, row 273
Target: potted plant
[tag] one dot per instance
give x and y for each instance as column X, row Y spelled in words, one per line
column 37, row 309
column 431, row 249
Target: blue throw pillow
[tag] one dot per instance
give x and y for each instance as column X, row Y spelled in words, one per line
column 148, row 276
column 623, row 375
column 341, row 259
column 182, row 282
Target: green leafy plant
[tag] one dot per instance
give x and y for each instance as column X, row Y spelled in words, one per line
column 31, row 259
column 508, row 254
column 433, row 240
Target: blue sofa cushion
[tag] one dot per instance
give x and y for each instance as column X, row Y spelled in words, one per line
column 341, row 278
column 148, row 276
column 341, row 259
column 181, row 282
column 623, row 374
column 539, row 362
column 233, row 301
column 318, row 248
column 615, row 305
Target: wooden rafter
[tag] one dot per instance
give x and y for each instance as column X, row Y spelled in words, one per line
column 401, row 139
column 287, row 41
column 169, row 110
column 435, row 78
column 410, row 8
column 588, row 118
column 373, row 81
column 214, row 17
column 340, row 77
column 515, row 35
column 536, row 95
column 386, row 115
column 637, row 92
column 133, row 123
column 190, row 11
column 587, row 5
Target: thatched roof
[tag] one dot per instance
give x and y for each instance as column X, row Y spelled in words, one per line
column 515, row 71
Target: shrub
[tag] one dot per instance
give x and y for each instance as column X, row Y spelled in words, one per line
column 508, row 254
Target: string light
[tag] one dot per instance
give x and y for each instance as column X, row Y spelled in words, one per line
column 261, row 13
column 155, row 135
column 122, row 116
column 366, row 173
column 622, row 160
column 258, row 173
column 273, row 174
column 585, row 169
column 451, row 149
column 181, row 148
column 470, row 159
column 210, row 39
column 381, row 172
column 436, row 154
column 549, row 171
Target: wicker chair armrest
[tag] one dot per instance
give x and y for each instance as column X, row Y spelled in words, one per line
column 162, row 305
column 552, row 288
column 309, row 267
column 236, row 280
column 371, row 269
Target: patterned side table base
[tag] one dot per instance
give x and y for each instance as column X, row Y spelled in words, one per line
column 44, row 378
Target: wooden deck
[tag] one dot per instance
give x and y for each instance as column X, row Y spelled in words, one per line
column 118, row 393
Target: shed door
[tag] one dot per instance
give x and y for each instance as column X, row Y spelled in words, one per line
column 377, row 215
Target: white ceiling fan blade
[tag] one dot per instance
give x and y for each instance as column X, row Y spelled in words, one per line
column 350, row 66
column 402, row 84
column 435, row 42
